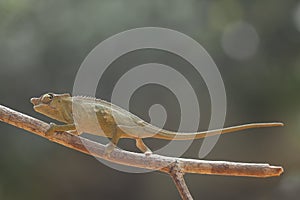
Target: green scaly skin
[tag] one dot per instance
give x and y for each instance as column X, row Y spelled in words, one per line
column 98, row 117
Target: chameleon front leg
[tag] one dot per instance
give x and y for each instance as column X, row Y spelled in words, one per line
column 142, row 146
column 60, row 128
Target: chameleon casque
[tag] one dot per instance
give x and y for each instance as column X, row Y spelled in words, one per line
column 99, row 117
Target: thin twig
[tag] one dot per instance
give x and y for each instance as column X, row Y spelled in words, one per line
column 177, row 177
column 153, row 162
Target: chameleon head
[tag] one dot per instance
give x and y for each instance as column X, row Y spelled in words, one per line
column 55, row 106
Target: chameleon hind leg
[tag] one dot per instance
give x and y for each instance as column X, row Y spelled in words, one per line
column 142, row 146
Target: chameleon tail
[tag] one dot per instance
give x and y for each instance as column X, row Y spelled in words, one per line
column 169, row 135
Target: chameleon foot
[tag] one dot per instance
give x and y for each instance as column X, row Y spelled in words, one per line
column 109, row 148
column 148, row 153
column 143, row 147
column 60, row 128
column 51, row 131
column 74, row 132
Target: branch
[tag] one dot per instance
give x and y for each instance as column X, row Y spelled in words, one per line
column 176, row 167
column 177, row 176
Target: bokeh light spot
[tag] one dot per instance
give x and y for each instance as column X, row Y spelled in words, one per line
column 297, row 17
column 240, row 40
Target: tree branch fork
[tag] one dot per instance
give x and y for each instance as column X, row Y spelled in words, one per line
column 175, row 167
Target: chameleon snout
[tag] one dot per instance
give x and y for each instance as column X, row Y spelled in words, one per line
column 34, row 101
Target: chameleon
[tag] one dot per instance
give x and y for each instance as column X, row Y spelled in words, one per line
column 98, row 117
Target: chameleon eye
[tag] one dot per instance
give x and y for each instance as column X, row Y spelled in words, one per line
column 47, row 98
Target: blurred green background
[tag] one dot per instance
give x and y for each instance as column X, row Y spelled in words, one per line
column 255, row 45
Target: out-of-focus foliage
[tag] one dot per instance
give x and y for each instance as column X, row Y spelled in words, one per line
column 255, row 44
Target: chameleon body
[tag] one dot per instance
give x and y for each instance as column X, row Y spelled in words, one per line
column 99, row 117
